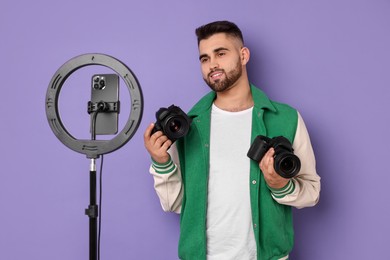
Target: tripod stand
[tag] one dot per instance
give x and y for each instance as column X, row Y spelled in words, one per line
column 93, row 213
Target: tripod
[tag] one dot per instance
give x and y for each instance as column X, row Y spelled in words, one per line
column 92, row 212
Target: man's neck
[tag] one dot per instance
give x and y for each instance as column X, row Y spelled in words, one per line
column 237, row 98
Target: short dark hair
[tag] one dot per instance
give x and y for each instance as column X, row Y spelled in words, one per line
column 205, row 31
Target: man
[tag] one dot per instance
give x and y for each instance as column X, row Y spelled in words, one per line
column 232, row 207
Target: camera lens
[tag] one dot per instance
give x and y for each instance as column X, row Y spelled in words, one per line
column 287, row 165
column 173, row 122
column 102, row 84
column 174, row 126
column 96, row 86
column 96, row 79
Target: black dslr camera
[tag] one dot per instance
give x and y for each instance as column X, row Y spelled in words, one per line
column 173, row 122
column 286, row 164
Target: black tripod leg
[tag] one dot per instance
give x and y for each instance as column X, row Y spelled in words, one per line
column 92, row 213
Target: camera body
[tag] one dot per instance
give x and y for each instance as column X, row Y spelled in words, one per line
column 173, row 122
column 286, row 163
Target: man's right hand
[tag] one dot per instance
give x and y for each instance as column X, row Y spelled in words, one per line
column 157, row 145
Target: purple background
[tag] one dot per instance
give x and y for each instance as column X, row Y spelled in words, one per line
column 330, row 59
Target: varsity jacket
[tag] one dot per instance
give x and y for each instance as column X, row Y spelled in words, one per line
column 181, row 183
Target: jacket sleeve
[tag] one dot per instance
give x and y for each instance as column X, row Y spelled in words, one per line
column 168, row 182
column 303, row 190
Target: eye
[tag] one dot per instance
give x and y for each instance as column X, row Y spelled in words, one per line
column 220, row 54
column 204, row 59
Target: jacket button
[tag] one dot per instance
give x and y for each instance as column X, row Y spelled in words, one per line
column 254, row 182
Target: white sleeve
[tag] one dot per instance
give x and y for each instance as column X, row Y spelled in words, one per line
column 168, row 182
column 303, row 190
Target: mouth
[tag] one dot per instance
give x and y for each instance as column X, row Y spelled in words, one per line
column 216, row 75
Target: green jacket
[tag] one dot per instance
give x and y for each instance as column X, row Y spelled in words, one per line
column 272, row 222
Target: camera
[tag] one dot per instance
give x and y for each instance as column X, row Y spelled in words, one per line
column 99, row 82
column 173, row 122
column 286, row 164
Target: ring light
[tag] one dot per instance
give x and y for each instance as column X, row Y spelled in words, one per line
column 93, row 148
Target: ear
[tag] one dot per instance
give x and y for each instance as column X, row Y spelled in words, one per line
column 245, row 55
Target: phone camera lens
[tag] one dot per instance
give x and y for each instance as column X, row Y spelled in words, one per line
column 102, row 84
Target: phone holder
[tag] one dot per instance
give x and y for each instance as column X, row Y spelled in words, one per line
column 93, row 148
column 106, row 107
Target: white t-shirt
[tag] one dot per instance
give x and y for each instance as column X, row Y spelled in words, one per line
column 229, row 220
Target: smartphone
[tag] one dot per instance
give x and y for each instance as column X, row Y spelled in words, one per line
column 105, row 87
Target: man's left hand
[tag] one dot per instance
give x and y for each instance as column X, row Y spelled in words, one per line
column 273, row 179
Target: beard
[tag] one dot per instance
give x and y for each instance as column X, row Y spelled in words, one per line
column 231, row 77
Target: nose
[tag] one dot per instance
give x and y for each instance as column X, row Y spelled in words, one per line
column 213, row 64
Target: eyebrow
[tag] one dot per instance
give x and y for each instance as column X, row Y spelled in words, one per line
column 215, row 51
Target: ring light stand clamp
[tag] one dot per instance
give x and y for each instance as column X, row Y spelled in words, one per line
column 93, row 148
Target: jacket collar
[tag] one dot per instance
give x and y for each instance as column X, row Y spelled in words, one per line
column 261, row 101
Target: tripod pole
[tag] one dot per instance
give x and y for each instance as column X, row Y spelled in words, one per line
column 92, row 213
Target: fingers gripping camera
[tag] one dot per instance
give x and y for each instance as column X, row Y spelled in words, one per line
column 173, row 122
column 286, row 164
